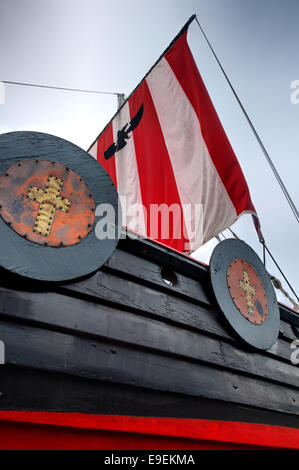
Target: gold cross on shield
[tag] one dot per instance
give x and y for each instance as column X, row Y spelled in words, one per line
column 49, row 200
column 249, row 291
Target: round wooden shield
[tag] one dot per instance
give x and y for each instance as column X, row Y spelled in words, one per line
column 52, row 197
column 244, row 292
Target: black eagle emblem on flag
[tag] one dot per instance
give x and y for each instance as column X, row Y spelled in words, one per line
column 123, row 135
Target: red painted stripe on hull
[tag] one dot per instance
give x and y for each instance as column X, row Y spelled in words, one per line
column 50, row 430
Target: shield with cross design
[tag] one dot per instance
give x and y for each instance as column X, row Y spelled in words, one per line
column 49, row 192
column 244, row 293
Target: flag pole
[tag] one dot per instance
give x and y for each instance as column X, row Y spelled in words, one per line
column 180, row 33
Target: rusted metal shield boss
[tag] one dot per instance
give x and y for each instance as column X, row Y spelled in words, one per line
column 46, row 202
column 244, row 293
column 49, row 191
column 247, row 291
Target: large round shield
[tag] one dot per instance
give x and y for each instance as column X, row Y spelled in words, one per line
column 244, row 293
column 52, row 196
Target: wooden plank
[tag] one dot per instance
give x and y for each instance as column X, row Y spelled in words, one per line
column 125, row 327
column 288, row 315
column 34, row 389
column 127, row 294
column 61, row 353
column 138, row 269
column 286, row 331
column 158, row 253
column 141, row 269
column 148, row 301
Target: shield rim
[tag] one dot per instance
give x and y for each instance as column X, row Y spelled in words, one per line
column 66, row 261
column 261, row 336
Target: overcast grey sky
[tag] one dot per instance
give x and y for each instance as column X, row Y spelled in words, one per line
column 110, row 45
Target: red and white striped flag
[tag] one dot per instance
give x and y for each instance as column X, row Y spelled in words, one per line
column 166, row 148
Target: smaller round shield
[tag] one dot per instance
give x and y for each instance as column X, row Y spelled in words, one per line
column 244, row 292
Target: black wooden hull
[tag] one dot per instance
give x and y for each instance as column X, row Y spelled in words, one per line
column 123, row 342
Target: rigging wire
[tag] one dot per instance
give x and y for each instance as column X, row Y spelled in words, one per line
column 234, row 234
column 264, row 252
column 277, row 265
column 276, row 282
column 276, row 174
column 61, row 88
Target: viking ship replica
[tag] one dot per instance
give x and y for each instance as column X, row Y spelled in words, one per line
column 123, row 342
